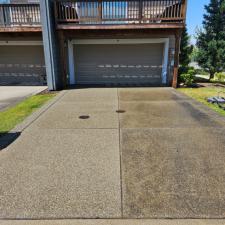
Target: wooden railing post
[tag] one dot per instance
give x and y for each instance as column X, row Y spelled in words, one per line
column 184, row 9
column 2, row 17
column 140, row 11
column 100, row 10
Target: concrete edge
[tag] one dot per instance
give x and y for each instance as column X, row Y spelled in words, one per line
column 35, row 115
column 202, row 107
column 114, row 222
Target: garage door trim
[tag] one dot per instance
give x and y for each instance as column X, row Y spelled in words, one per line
column 71, row 43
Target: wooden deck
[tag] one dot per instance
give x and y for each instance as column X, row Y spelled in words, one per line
column 20, row 18
column 97, row 14
column 120, row 14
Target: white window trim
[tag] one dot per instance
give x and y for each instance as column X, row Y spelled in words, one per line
column 21, row 43
column 71, row 44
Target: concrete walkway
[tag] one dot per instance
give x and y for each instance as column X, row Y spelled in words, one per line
column 10, row 95
column 161, row 157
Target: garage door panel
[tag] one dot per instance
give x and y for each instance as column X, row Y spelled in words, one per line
column 22, row 65
column 119, row 64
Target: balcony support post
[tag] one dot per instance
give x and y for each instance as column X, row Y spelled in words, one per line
column 50, row 45
column 176, row 57
column 63, row 57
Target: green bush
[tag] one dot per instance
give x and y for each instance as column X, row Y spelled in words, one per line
column 191, row 72
column 219, row 77
column 185, row 69
column 187, row 78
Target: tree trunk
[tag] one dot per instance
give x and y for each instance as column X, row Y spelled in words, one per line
column 211, row 75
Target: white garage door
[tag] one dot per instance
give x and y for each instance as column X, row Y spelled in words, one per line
column 139, row 64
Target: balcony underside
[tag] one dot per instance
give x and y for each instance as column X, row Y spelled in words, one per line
column 120, row 26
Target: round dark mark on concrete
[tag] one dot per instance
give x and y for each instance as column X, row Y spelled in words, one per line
column 120, row 111
column 84, row 117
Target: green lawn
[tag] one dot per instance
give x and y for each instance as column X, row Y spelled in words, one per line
column 15, row 115
column 201, row 94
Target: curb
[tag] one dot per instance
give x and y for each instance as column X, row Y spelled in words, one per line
column 115, row 222
column 35, row 115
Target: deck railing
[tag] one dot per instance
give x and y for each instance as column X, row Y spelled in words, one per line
column 19, row 15
column 119, row 11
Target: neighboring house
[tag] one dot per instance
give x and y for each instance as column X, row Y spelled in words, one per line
column 21, row 48
column 96, row 42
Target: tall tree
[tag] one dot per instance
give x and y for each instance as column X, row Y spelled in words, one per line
column 185, row 49
column 211, row 39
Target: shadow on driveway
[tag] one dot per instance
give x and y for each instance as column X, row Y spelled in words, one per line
column 7, row 138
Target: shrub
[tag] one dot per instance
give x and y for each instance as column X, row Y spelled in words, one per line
column 186, row 69
column 191, row 72
column 187, row 78
column 219, row 77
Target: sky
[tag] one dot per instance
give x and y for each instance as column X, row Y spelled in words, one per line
column 195, row 13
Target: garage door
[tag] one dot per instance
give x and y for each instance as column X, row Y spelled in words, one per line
column 118, row 64
column 22, row 65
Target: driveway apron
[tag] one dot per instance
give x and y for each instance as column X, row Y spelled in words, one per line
column 117, row 153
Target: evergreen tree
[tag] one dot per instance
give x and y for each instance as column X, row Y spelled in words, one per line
column 185, row 49
column 211, row 40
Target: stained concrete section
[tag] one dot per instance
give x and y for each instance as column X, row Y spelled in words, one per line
column 172, row 157
column 164, row 114
column 148, row 94
column 115, row 222
column 173, row 173
column 61, row 174
column 161, row 108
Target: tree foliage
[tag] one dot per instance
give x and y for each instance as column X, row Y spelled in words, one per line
column 211, row 39
column 185, row 49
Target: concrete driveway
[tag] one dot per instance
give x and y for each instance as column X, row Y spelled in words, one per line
column 161, row 157
column 10, row 95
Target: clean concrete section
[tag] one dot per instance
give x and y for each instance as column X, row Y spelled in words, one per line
column 162, row 158
column 115, row 222
column 99, row 104
column 62, row 171
column 61, row 174
column 10, row 95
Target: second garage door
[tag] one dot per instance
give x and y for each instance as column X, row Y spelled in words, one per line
column 139, row 64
